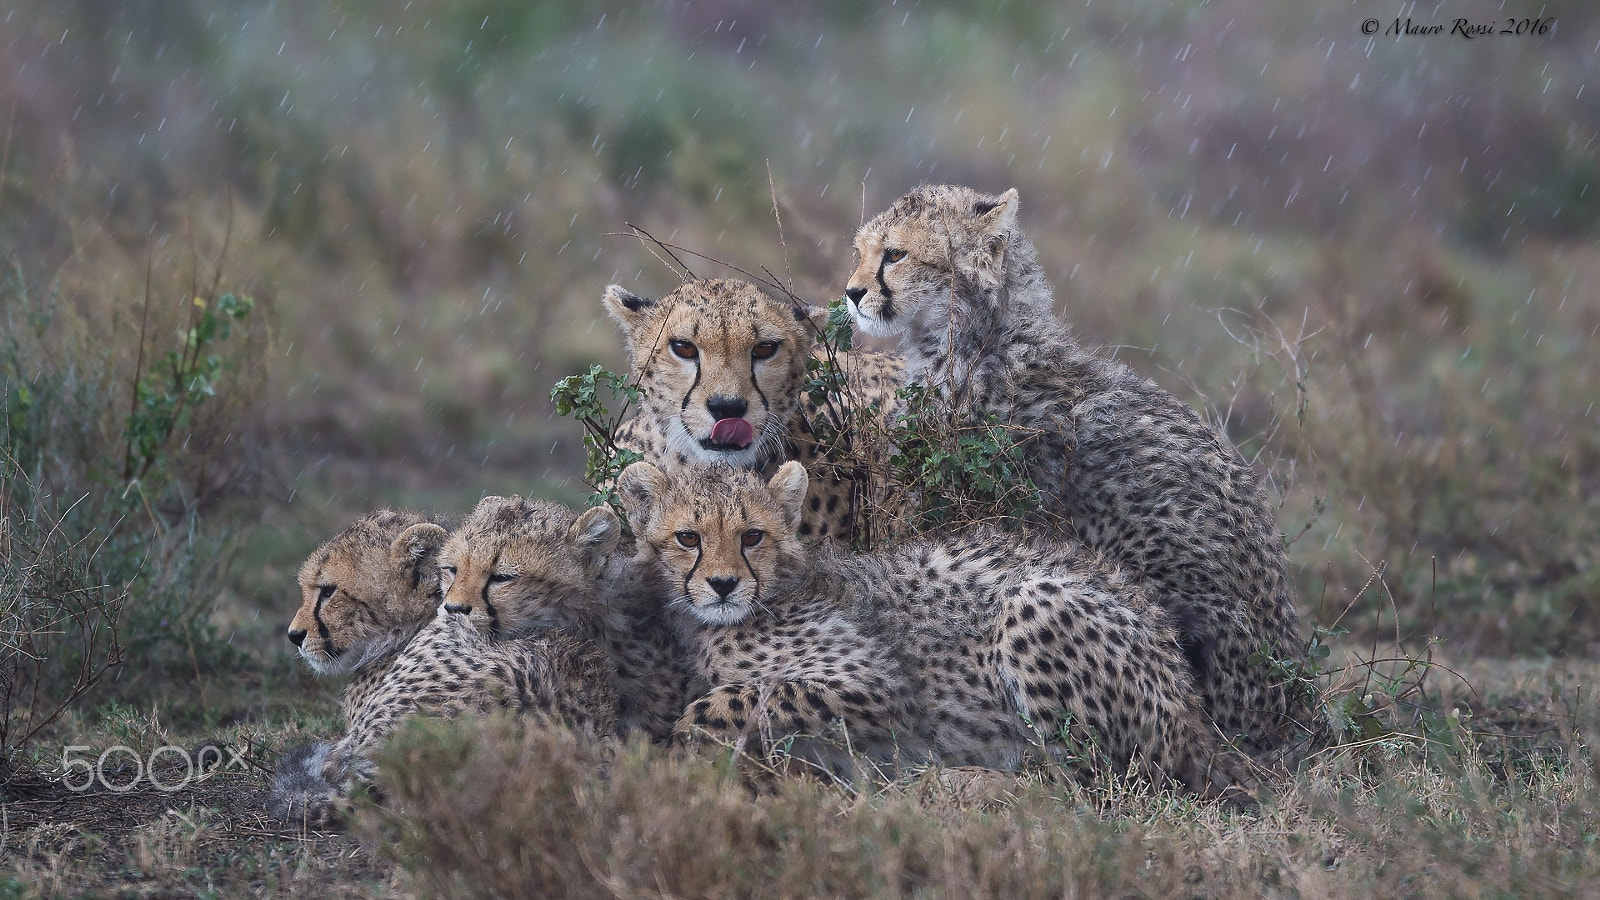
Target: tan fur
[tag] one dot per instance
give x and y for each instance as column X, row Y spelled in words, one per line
column 519, row 567
column 731, row 324
column 972, row 648
column 367, row 590
column 1126, row 467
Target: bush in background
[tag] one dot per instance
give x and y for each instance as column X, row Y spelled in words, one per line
column 115, row 445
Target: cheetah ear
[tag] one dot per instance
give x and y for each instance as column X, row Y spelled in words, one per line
column 416, row 544
column 626, row 308
column 788, row 487
column 640, row 487
column 996, row 215
column 805, row 312
column 596, row 533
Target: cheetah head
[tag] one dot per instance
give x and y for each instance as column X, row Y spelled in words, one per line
column 720, row 363
column 516, row 566
column 719, row 535
column 909, row 257
column 365, row 591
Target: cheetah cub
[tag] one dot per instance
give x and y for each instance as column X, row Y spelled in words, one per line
column 1137, row 474
column 530, row 653
column 722, row 366
column 365, row 593
column 969, row 649
column 507, row 572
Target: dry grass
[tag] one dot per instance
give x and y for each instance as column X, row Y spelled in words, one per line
column 487, row 811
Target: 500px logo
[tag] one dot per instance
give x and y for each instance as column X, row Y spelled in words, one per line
column 79, row 773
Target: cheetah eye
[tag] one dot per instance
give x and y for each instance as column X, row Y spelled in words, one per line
column 752, row 537
column 683, row 349
column 688, row 540
column 764, row 350
column 502, row 577
column 324, row 591
column 893, row 256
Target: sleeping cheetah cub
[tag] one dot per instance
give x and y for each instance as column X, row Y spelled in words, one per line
column 508, row 573
column 531, row 654
column 967, row 649
column 1138, row 474
column 722, row 366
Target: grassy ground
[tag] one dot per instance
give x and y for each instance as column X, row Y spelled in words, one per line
column 1498, row 797
column 1368, row 259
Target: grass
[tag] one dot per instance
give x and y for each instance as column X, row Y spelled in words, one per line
column 1367, row 260
column 1503, row 800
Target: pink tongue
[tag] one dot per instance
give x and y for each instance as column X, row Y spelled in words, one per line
column 733, row 431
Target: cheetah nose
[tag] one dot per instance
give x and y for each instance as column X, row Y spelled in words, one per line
column 297, row 636
column 723, row 585
column 457, row 608
column 727, row 407
column 855, row 294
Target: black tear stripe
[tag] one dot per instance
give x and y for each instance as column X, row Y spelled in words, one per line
column 765, row 406
column 699, row 551
column 488, row 606
column 690, row 392
column 322, row 627
column 756, row 597
column 887, row 312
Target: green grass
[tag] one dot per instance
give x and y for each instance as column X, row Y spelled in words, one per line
column 1369, row 262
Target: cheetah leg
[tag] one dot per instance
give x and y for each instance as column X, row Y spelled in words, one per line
column 810, row 708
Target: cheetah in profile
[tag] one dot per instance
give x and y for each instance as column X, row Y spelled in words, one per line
column 1137, row 474
column 722, row 367
column 364, row 594
column 521, row 584
column 968, row 649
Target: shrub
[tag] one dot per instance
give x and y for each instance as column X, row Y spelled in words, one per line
column 106, row 472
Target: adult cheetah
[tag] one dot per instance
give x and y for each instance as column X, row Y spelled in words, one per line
column 1138, row 474
column 967, row 649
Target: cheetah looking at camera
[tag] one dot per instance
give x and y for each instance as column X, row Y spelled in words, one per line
column 969, row 649
column 722, row 367
column 1135, row 472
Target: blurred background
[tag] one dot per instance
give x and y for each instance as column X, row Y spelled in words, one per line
column 1370, row 257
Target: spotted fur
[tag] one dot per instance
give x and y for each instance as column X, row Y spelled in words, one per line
column 719, row 348
column 524, row 625
column 966, row 649
column 518, row 566
column 1138, row 475
column 364, row 593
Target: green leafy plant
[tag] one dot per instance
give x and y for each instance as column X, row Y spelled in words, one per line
column 164, row 398
column 584, row 398
column 104, row 556
column 967, row 468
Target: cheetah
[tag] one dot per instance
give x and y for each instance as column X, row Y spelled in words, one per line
column 1136, row 473
column 966, row 649
column 722, row 367
column 365, row 593
column 512, row 632
column 508, row 572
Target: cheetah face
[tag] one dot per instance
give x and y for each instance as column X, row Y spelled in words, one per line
column 364, row 592
column 517, row 566
column 720, row 364
column 908, row 257
column 719, row 536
